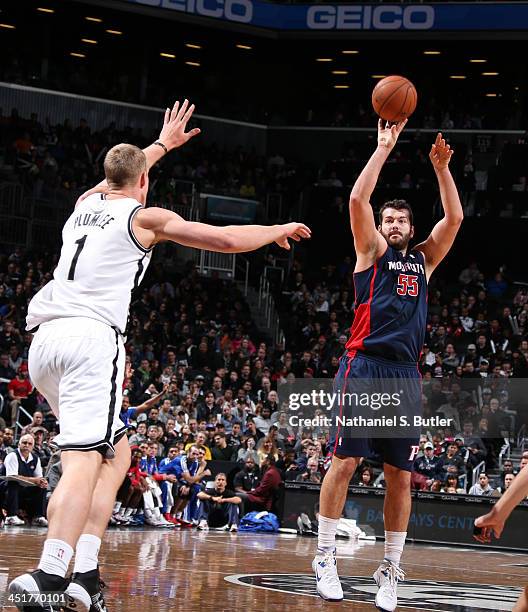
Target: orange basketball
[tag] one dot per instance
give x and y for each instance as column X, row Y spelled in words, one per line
column 394, row 98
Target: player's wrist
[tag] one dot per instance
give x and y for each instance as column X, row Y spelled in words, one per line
column 160, row 143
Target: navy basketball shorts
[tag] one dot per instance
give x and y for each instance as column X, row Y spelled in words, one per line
column 395, row 442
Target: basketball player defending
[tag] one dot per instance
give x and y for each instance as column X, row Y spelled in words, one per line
column 386, row 339
column 493, row 522
column 77, row 356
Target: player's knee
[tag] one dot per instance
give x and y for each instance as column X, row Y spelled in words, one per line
column 396, row 475
column 345, row 466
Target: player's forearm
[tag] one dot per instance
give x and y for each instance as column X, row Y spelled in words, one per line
column 366, row 181
column 514, row 494
column 153, row 153
column 453, row 212
column 240, row 239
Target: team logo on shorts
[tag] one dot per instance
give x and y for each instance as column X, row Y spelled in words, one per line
column 422, row 594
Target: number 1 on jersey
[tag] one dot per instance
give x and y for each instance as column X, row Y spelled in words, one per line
column 80, row 247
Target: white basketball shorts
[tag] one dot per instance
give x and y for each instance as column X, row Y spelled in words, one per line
column 78, row 365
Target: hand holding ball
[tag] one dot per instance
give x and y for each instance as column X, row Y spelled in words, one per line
column 394, row 98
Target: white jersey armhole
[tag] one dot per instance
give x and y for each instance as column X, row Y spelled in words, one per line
column 131, row 234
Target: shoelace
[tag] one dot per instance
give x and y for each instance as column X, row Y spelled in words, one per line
column 393, row 573
column 329, row 560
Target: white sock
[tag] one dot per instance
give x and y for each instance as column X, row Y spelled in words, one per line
column 394, row 542
column 86, row 553
column 117, row 507
column 55, row 558
column 327, row 531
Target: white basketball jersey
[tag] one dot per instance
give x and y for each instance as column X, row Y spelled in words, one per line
column 101, row 263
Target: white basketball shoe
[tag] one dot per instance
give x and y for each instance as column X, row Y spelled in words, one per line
column 387, row 577
column 328, row 584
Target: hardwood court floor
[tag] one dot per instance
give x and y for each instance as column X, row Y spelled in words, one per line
column 159, row 570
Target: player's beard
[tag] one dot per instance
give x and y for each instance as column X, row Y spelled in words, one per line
column 398, row 241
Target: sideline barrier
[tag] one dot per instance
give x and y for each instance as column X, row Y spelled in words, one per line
column 435, row 517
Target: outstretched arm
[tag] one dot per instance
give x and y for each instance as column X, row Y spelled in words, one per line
column 145, row 406
column 153, row 225
column 172, row 136
column 369, row 244
column 441, row 239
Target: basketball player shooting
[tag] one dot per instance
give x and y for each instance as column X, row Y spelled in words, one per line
column 77, row 355
column 385, row 343
column 493, row 522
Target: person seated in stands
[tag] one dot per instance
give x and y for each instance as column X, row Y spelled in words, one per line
column 248, row 478
column 450, row 462
column 25, row 464
column 425, row 467
column 263, row 496
column 366, row 477
column 311, row 473
column 201, row 439
column 508, row 479
column 450, row 484
column 6, row 442
column 36, row 421
column 19, row 391
column 220, row 506
column 482, row 487
column 221, row 451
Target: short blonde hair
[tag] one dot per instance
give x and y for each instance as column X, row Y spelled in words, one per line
column 124, row 164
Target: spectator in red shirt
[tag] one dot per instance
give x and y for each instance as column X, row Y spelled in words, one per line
column 19, row 389
column 262, row 497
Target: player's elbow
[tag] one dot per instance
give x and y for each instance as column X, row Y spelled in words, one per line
column 456, row 219
column 227, row 242
column 355, row 201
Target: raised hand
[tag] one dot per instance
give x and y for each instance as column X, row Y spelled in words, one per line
column 388, row 134
column 441, row 153
column 173, row 132
column 295, row 231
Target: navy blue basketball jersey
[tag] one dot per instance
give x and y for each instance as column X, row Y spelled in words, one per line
column 391, row 307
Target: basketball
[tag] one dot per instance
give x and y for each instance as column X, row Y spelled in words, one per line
column 394, row 98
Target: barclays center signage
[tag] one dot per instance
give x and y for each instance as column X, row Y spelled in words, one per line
column 364, row 17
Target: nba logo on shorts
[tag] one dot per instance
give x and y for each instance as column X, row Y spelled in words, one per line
column 414, row 451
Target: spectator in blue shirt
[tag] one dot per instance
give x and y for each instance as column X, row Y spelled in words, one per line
column 129, row 413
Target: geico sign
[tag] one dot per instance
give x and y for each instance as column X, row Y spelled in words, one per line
column 234, row 10
column 388, row 17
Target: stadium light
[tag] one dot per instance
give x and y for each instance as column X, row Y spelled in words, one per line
column 432, row 52
column 94, row 19
column 339, row 71
column 42, row 9
column 117, row 32
column 350, row 52
column 245, row 47
column 168, row 55
column 7, row 26
column 324, row 59
column 196, row 64
column 89, row 41
column 490, row 74
column 457, row 76
column 75, row 54
column 478, row 61
column 341, row 86
column 193, row 46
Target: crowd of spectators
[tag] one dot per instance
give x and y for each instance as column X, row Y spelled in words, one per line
column 201, row 387
column 59, row 162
